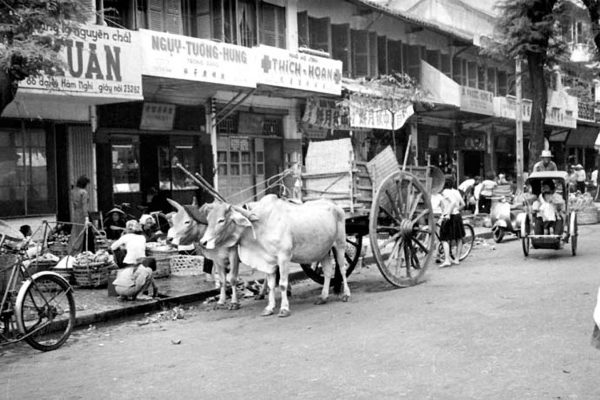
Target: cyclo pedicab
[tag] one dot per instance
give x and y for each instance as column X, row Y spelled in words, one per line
column 565, row 230
column 390, row 204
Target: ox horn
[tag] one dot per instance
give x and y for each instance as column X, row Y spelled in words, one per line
column 176, row 205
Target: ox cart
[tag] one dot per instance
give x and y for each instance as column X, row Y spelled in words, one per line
column 390, row 204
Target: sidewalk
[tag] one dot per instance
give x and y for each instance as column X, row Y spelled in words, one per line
column 95, row 306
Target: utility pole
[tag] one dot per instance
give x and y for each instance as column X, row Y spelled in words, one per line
column 519, row 125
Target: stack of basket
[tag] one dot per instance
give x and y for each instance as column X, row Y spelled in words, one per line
column 186, row 265
column 162, row 254
column 587, row 216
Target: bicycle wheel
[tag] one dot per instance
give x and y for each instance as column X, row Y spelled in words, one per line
column 467, row 242
column 45, row 311
column 353, row 246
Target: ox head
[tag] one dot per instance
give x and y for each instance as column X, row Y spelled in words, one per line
column 188, row 223
column 226, row 224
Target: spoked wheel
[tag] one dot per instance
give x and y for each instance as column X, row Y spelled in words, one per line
column 573, row 231
column 353, row 246
column 45, row 310
column 467, row 243
column 401, row 227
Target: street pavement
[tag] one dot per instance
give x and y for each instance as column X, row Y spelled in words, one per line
column 497, row 326
column 94, row 305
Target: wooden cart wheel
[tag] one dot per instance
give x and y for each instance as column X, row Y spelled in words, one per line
column 353, row 246
column 573, row 232
column 401, row 229
column 525, row 241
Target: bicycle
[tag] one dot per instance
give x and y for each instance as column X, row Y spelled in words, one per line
column 38, row 308
column 467, row 241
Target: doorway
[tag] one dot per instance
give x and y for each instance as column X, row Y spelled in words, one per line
column 273, row 160
column 473, row 164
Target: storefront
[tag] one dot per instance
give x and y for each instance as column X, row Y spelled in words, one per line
column 46, row 132
column 138, row 147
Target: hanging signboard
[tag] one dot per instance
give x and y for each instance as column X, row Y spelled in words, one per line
column 100, row 62
column 324, row 113
column 367, row 112
column 183, row 57
column 476, row 101
column 279, row 67
column 157, row 117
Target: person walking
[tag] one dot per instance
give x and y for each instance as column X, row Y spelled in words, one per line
column 546, row 163
column 451, row 228
column 81, row 203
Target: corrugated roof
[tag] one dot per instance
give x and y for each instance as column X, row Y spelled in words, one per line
column 413, row 19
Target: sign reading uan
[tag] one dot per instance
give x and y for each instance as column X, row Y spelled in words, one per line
column 183, row 57
column 278, row 67
column 100, row 62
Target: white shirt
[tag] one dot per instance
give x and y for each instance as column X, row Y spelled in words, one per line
column 452, row 196
column 465, row 185
column 135, row 246
column 580, row 175
column 595, row 177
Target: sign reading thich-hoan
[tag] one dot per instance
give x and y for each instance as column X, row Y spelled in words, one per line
column 101, row 62
column 278, row 67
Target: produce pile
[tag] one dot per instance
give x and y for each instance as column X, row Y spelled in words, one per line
column 581, row 202
column 157, row 246
column 87, row 257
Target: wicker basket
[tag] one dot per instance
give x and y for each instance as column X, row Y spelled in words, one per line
column 58, row 249
column 587, row 216
column 66, row 273
column 163, row 262
column 186, row 265
column 41, row 265
column 93, row 274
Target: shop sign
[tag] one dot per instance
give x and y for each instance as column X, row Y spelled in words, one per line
column 471, row 142
column 505, row 107
column 325, row 113
column 183, row 57
column 100, row 62
column 157, row 117
column 476, row 101
column 586, row 111
column 279, row 67
column 376, row 113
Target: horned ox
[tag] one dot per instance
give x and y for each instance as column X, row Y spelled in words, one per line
column 189, row 225
column 276, row 233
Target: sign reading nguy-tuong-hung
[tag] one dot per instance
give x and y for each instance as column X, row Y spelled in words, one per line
column 183, row 57
column 100, row 62
column 278, row 67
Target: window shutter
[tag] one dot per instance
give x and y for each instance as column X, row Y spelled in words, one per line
column 457, row 74
column 303, row 29
column 268, row 34
column 217, row 19
column 320, row 33
column 155, row 15
column 394, row 56
column 281, row 26
column 382, row 55
column 203, row 20
column 373, row 69
column 173, row 23
column 413, row 61
column 360, row 53
column 340, row 49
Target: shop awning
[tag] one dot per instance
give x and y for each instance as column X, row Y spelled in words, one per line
column 583, row 136
column 559, row 135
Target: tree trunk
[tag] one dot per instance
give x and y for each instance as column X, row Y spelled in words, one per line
column 8, row 90
column 535, row 65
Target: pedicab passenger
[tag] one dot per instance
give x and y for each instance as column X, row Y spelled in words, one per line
column 135, row 277
column 559, row 206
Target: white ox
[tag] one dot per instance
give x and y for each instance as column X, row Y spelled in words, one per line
column 276, row 233
column 189, row 225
